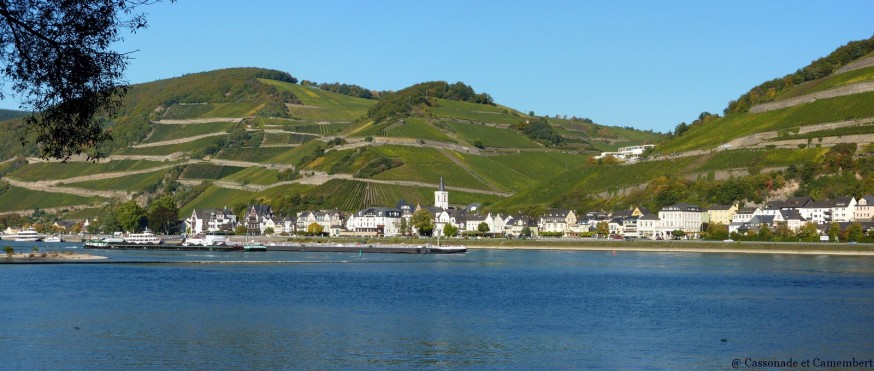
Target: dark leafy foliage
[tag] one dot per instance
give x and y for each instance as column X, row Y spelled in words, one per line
column 57, row 57
column 377, row 166
column 345, row 89
column 402, row 102
column 538, row 129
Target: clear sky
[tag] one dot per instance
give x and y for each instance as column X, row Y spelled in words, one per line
column 646, row 64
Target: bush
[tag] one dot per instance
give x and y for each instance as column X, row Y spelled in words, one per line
column 9, row 250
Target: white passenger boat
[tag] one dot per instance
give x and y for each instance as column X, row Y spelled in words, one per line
column 145, row 238
column 28, row 235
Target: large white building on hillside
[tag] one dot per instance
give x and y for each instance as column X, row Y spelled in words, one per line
column 627, row 153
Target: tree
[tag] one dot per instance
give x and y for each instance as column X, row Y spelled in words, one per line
column 449, row 230
column 315, row 229
column 603, row 229
column 57, row 56
column 854, row 232
column 808, row 232
column 526, row 232
column 163, row 215
column 241, row 230
column 423, row 222
column 677, row 234
column 765, row 233
column 483, row 227
column 269, row 231
column 130, row 216
column 834, row 231
column 717, row 231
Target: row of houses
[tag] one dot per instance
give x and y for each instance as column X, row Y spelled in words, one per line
column 635, row 222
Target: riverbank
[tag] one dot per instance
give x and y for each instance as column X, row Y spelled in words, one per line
column 693, row 246
column 48, row 256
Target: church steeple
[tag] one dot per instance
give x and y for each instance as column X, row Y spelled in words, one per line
column 441, row 197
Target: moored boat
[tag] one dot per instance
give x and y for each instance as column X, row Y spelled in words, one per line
column 53, row 239
column 145, row 238
column 96, row 244
column 254, row 246
column 28, row 235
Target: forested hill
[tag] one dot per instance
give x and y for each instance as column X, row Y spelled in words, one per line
column 6, row 114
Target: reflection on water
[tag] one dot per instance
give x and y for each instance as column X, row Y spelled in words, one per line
column 483, row 309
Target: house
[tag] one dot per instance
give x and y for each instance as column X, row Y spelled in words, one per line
column 721, row 213
column 63, row 226
column 650, row 226
column 497, row 223
column 864, row 209
column 558, row 221
column 793, row 219
column 472, row 222
column 744, row 214
column 258, row 219
column 210, row 220
column 375, row 221
column 286, row 224
column 455, row 217
column 843, row 209
column 517, row 224
column 684, row 217
column 817, row 212
column 331, row 221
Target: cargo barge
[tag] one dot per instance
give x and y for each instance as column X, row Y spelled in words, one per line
column 297, row 247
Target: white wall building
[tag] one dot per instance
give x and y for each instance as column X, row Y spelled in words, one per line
column 376, row 221
column 864, row 209
column 684, row 217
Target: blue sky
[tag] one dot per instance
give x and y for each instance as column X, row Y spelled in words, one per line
column 646, row 64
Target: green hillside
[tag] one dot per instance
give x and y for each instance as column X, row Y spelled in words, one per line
column 246, row 129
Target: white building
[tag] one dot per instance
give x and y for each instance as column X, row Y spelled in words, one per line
column 558, row 221
column 627, row 153
column 375, row 221
column 210, row 220
column 330, row 220
column 684, row 217
column 864, row 209
column 843, row 209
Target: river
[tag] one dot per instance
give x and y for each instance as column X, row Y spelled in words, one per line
column 486, row 309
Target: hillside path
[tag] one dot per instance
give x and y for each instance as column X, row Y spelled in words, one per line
column 199, row 121
column 319, row 178
column 41, row 186
column 110, row 175
column 177, row 141
column 862, row 87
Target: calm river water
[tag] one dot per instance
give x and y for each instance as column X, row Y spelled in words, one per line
column 487, row 309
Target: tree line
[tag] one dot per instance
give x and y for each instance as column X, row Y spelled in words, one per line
column 402, row 102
